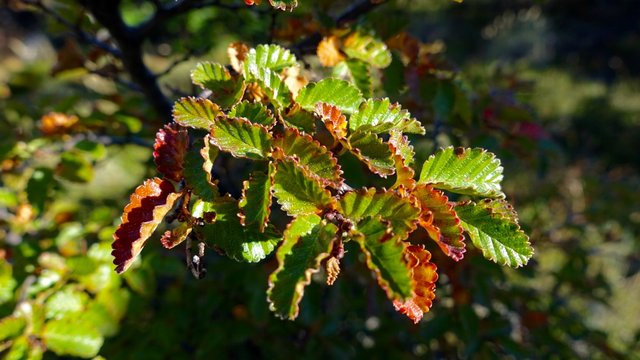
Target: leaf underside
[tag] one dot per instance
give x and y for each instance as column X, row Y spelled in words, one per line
column 424, row 275
column 169, row 151
column 306, row 242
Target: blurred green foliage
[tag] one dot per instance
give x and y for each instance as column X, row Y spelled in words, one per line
column 563, row 116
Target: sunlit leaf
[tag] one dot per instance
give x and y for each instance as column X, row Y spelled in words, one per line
column 198, row 169
column 297, row 191
column 147, row 206
column 241, row 138
column 255, row 112
column 311, row 155
column 368, row 49
column 361, row 76
column 195, row 113
column 11, row 326
column 424, row 275
column 334, row 121
column 374, row 152
column 402, row 147
column 399, row 211
column 492, row 227
column 379, row 116
column 228, row 235
column 328, row 51
column 384, row 256
column 464, row 171
column 255, row 203
column 306, row 242
column 237, row 52
column 441, row 221
column 226, row 90
column 339, row 93
column 169, row 151
column 272, row 57
column 285, row 5
column 74, row 338
column 174, row 237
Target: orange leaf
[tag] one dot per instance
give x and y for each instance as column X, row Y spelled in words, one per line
column 169, row 151
column 334, row 120
column 424, row 275
column 329, row 51
column 147, row 206
column 55, row 123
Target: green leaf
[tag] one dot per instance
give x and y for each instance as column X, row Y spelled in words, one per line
column 38, row 187
column 399, row 211
column 273, row 86
column 464, row 171
column 361, row 76
column 227, row 233
column 225, row 89
column 241, row 138
column 403, row 147
column 297, row 191
column 306, row 242
column 300, row 119
column 339, row 93
column 374, row 152
column 492, row 227
column 255, row 203
column 384, row 256
column 368, row 49
column 195, row 113
column 272, row 57
column 74, row 338
column 255, row 112
column 379, row 115
column 198, row 169
column 311, row 155
column 64, row 302
column 74, row 167
column 11, row 326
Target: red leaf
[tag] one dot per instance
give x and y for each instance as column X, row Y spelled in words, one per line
column 441, row 221
column 147, row 206
column 424, row 275
column 169, row 151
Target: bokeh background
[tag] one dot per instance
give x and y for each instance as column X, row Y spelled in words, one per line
column 551, row 86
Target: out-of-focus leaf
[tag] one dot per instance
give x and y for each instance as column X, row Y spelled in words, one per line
column 255, row 112
column 169, row 151
column 311, row 155
column 226, row 90
column 441, row 221
column 361, row 76
column 399, row 211
column 74, row 338
column 147, row 206
column 241, row 138
column 328, row 51
column 11, row 326
column 492, row 226
column 374, row 152
column 424, row 275
column 306, row 242
column 98, row 315
column 464, row 171
column 74, row 167
column 284, row 5
column 384, row 256
column 96, row 150
column 368, row 49
column 255, row 203
column 65, row 301
column 297, row 191
column 38, row 187
column 336, row 92
column 195, row 113
column 228, row 235
column 379, row 116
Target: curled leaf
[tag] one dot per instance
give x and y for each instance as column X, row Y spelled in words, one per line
column 147, row 206
column 424, row 275
column 306, row 242
column 367, row 48
column 333, row 120
column 195, row 112
column 237, row 52
column 174, row 237
column 169, row 151
column 440, row 221
column 255, row 203
column 375, row 153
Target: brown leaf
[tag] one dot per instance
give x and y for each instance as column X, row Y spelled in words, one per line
column 238, row 51
column 147, row 206
column 169, row 151
column 329, row 51
column 69, row 57
column 424, row 275
column 55, row 123
column 173, row 238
